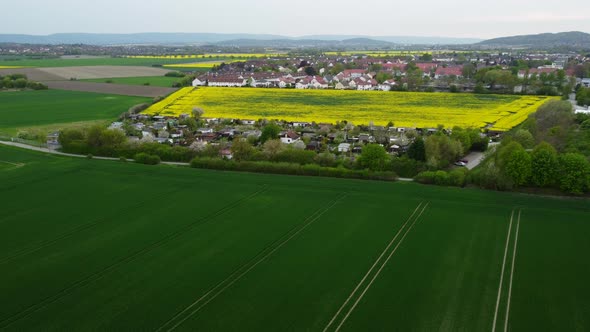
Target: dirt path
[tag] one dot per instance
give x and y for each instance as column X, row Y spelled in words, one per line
column 46, row 150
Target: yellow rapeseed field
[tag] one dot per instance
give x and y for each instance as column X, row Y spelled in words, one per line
column 204, row 65
column 404, row 109
column 395, row 53
column 11, row 67
column 207, row 55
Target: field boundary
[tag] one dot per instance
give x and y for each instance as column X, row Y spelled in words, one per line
column 250, row 265
column 376, row 275
column 124, row 260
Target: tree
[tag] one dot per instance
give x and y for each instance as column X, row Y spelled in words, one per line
column 373, row 157
column 426, row 57
column 441, row 150
column 544, row 165
column 20, row 83
column 479, row 88
column 242, row 150
column 501, row 77
column 514, row 162
column 272, row 148
column 552, row 123
column 468, row 70
column 518, row 167
column 583, row 96
column 70, row 135
column 525, row 138
column 198, row 112
column 269, row 132
column 574, row 173
column 198, row 146
column 462, row 136
column 310, row 71
column 417, row 150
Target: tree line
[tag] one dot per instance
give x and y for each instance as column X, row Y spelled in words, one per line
column 20, row 81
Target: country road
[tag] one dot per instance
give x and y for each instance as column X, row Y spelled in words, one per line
column 475, row 158
column 45, row 150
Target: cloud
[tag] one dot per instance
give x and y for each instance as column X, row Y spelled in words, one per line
column 534, row 17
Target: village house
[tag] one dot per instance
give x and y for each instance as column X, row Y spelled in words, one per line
column 387, row 85
column 362, row 83
column 456, row 71
column 427, row 67
column 536, row 71
column 352, row 73
column 344, row 147
column 312, row 82
column 197, row 82
column 227, row 81
column 289, row 137
column 205, row 130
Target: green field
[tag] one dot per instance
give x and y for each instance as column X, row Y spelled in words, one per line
column 153, row 80
column 26, row 109
column 56, row 62
column 98, row 245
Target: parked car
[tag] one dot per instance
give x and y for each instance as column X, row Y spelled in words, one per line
column 460, row 163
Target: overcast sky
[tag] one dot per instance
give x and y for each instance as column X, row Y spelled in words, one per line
column 450, row 18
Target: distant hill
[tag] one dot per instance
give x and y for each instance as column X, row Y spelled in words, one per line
column 573, row 39
column 308, row 43
column 213, row 38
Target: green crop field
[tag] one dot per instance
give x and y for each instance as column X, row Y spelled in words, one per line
column 153, row 80
column 25, row 109
column 100, row 245
column 57, row 62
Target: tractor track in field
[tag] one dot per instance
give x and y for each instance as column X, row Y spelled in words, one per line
column 422, row 207
column 507, row 316
column 124, row 260
column 502, row 272
column 75, row 230
column 15, row 165
column 248, row 266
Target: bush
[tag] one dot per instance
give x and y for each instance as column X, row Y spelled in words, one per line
column 89, row 156
column 147, row 159
column 407, row 167
column 296, row 156
column 488, row 176
column 441, row 178
column 455, row 178
column 289, row 169
column 174, row 74
column 426, row 177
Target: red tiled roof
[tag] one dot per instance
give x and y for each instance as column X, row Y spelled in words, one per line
column 448, row 71
column 426, row 66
